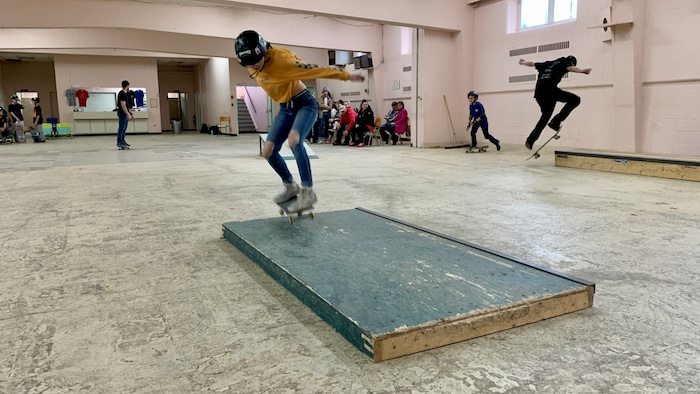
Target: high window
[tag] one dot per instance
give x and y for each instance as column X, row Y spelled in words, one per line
column 535, row 13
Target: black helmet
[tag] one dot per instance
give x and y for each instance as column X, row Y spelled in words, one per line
column 572, row 59
column 250, row 48
column 473, row 94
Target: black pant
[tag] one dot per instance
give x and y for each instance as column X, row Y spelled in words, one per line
column 387, row 131
column 485, row 128
column 339, row 137
column 313, row 135
column 358, row 133
column 547, row 101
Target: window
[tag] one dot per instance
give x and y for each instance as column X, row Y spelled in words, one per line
column 406, row 44
column 535, row 13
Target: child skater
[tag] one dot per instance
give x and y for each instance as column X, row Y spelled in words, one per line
column 279, row 72
column 477, row 118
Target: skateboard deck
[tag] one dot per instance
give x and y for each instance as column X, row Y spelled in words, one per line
column 477, row 149
column 536, row 155
column 284, row 210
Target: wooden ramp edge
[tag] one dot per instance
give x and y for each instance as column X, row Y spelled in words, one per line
column 686, row 170
column 407, row 337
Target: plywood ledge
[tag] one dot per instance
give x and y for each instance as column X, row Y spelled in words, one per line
column 655, row 166
column 473, row 325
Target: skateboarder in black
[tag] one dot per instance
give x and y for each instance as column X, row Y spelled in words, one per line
column 547, row 93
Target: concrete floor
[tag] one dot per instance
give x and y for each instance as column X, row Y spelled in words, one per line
column 115, row 278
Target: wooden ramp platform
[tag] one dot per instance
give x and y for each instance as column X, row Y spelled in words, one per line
column 625, row 164
column 392, row 288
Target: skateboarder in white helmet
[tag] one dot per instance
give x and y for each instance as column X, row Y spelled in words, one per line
column 279, row 72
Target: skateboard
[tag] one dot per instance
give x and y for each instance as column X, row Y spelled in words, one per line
column 284, row 210
column 477, row 149
column 123, row 147
column 536, row 155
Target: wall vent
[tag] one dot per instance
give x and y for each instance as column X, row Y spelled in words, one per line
column 344, row 94
column 553, row 47
column 407, row 68
column 522, row 78
column 523, row 51
column 527, row 78
column 406, row 88
column 355, row 93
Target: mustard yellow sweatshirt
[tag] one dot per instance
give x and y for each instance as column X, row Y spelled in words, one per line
column 283, row 71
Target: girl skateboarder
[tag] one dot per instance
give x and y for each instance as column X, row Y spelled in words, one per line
column 279, row 72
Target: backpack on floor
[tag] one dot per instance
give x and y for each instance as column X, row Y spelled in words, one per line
column 204, row 129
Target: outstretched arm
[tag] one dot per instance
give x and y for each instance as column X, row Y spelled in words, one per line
column 575, row 69
column 524, row 62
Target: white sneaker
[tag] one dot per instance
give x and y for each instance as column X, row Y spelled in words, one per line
column 290, row 191
column 305, row 200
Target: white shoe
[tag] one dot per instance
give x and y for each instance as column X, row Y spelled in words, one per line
column 290, row 191
column 305, row 200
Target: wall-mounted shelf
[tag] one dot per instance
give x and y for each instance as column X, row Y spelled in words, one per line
column 607, row 24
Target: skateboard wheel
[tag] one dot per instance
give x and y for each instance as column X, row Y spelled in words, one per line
column 281, row 211
column 311, row 215
column 556, row 137
column 537, row 155
column 291, row 221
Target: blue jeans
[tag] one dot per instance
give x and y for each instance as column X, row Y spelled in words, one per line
column 299, row 114
column 323, row 126
column 121, row 132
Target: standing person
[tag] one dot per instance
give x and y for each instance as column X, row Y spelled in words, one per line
column 124, row 114
column 477, row 118
column 16, row 118
column 324, row 106
column 547, row 93
column 279, row 72
column 37, row 122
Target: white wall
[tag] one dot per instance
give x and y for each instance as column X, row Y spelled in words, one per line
column 90, row 72
column 642, row 96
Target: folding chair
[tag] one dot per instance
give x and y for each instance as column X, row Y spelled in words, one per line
column 225, row 125
column 374, row 132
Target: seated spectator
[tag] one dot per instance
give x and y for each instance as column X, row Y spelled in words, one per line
column 386, row 130
column 5, row 129
column 345, row 124
column 332, row 121
column 401, row 123
column 363, row 123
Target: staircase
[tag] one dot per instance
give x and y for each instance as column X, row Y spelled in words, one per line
column 245, row 122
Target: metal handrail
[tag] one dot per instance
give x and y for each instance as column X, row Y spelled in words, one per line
column 250, row 99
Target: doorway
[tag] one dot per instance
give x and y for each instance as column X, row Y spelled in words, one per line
column 177, row 108
column 253, row 109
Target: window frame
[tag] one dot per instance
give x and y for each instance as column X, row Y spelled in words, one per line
column 550, row 16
